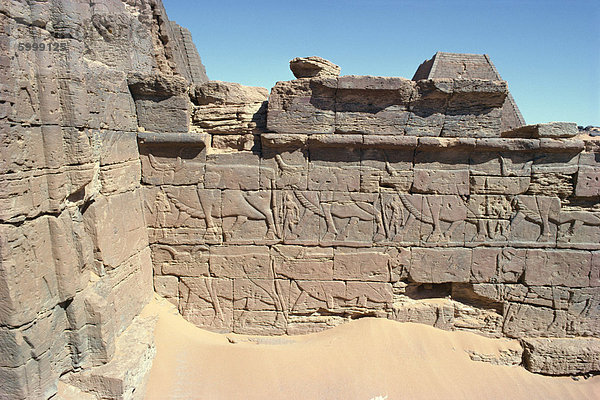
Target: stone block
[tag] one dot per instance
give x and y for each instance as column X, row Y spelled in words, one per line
column 302, row 106
column 546, row 130
column 498, row 265
column 126, row 375
column 217, row 92
column 259, row 322
column 249, row 217
column 562, row 356
column 119, row 178
column 442, row 217
column 588, row 182
column 302, row 325
column 170, row 209
column 507, row 164
column 310, row 296
column 350, row 219
column 167, row 286
column 115, row 146
column 510, row 185
column 310, row 67
column 229, row 119
column 180, row 260
column 232, row 171
column 172, row 164
column 378, row 295
column 261, row 294
column 569, row 268
column 441, row 182
column 360, row 265
column 440, row 265
column 334, row 170
column 303, row 263
column 127, row 288
column 428, row 107
column 530, row 222
column 284, row 169
column 240, row 262
column 207, row 302
column 372, row 105
column 578, row 229
column 525, row 320
column 595, row 269
column 164, row 115
column 40, row 267
column 117, row 224
column 433, row 312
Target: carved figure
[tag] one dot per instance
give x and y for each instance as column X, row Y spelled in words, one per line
column 395, row 218
column 167, row 169
column 452, row 209
column 291, row 213
column 543, row 210
column 245, row 206
column 349, row 210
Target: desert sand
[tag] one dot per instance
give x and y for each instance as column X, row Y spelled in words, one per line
column 368, row 358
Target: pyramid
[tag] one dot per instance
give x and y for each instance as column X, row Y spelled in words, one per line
column 470, row 66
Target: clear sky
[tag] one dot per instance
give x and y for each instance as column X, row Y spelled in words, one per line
column 548, row 51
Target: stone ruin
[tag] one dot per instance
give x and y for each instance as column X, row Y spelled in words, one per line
column 125, row 171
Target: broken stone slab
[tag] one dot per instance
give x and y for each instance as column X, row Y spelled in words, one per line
column 156, row 85
column 126, row 375
column 546, row 130
column 283, row 140
column 302, row 106
column 389, row 141
column 562, row 356
column 164, row 114
column 172, row 137
column 218, row 92
column 512, row 144
column 561, row 144
column 337, row 140
column 310, row 67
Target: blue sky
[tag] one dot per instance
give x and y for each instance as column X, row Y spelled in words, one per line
column 548, row 51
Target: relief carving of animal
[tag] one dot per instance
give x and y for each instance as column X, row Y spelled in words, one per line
column 542, row 210
column 349, row 211
column 433, row 210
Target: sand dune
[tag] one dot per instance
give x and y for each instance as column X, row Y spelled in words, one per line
column 363, row 359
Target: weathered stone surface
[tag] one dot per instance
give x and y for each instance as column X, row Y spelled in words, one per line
column 440, row 265
column 125, row 376
column 588, row 182
column 240, row 262
column 416, row 200
column 558, row 267
column 547, row 130
column 207, row 302
column 226, row 108
column 562, row 356
column 310, row 67
column 302, row 106
column 217, row 92
column 75, row 265
column 352, row 264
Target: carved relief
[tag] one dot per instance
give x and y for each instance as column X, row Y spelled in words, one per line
column 207, row 302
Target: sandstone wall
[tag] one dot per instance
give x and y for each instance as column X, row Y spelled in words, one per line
column 75, row 265
column 370, row 196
